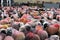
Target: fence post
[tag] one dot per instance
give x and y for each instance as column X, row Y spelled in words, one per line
column 1, row 3
column 9, row 2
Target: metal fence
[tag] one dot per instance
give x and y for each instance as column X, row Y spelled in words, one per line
column 48, row 5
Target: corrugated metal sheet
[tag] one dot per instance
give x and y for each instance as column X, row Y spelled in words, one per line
column 37, row 0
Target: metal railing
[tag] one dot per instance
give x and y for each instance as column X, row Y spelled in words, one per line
column 5, row 3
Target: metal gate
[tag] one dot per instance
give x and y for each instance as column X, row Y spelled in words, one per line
column 5, row 3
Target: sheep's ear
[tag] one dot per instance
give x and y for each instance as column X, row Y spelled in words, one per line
column 45, row 25
column 19, row 25
column 9, row 32
column 3, row 31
